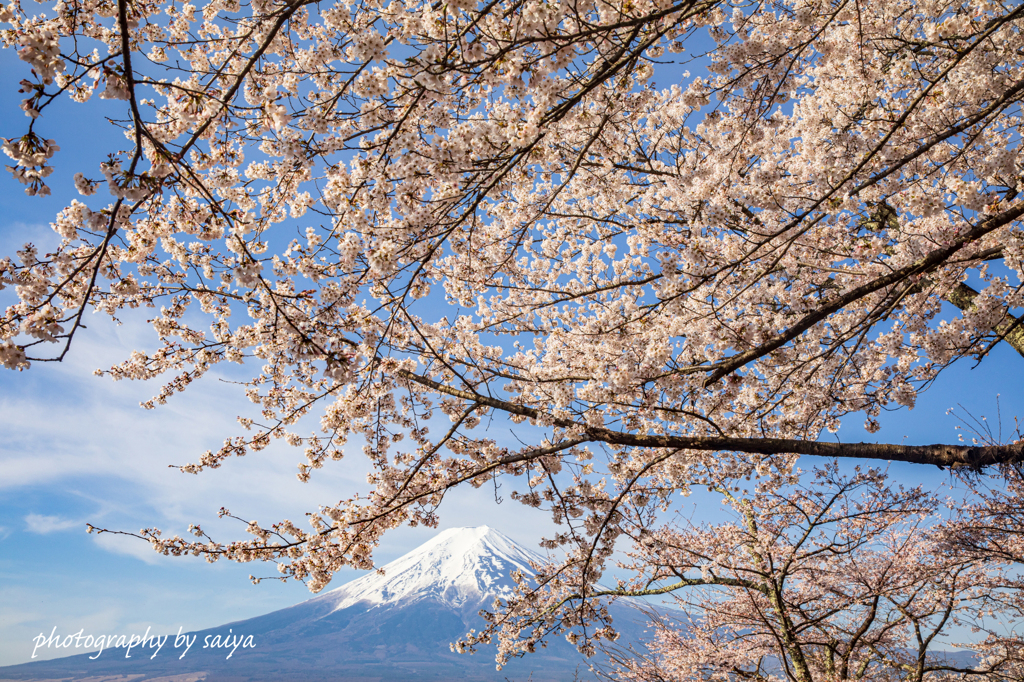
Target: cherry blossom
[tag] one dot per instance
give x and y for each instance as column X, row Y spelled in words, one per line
column 397, row 213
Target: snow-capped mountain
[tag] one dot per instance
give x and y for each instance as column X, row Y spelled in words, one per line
column 394, row 625
column 460, row 567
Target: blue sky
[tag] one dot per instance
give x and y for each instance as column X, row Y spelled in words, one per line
column 78, row 448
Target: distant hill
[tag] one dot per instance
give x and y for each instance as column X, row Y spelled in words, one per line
column 394, row 627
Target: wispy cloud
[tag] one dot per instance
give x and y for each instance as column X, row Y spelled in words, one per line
column 129, row 546
column 44, row 523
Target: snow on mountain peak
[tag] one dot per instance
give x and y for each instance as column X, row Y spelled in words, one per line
column 457, row 567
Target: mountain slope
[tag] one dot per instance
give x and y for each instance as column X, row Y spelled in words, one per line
column 388, row 626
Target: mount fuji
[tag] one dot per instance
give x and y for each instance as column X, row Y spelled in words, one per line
column 388, row 626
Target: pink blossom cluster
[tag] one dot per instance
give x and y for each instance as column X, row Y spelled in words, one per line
column 31, row 154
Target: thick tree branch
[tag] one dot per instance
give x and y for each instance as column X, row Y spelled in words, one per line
column 941, row 455
column 1010, row 329
column 933, row 260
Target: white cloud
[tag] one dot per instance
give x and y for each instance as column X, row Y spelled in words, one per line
column 129, row 546
column 44, row 523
